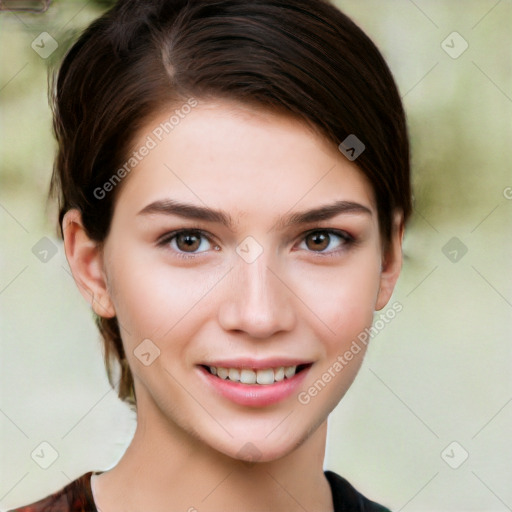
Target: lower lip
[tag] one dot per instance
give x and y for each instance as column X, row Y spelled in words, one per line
column 254, row 395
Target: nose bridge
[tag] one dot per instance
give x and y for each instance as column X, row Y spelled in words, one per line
column 256, row 302
column 255, row 279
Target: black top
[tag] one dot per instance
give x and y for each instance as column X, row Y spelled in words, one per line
column 347, row 499
column 77, row 497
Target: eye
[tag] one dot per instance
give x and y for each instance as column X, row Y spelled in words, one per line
column 326, row 241
column 187, row 241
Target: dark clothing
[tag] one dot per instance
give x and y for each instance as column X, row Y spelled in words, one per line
column 346, row 499
column 77, row 497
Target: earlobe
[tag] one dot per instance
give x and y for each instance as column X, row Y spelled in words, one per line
column 391, row 264
column 85, row 260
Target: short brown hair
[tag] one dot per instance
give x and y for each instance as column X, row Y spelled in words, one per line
column 303, row 57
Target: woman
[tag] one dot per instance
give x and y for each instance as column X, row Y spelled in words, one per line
column 233, row 180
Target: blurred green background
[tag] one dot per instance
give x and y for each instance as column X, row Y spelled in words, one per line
column 438, row 374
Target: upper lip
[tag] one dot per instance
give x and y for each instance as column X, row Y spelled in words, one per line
column 256, row 364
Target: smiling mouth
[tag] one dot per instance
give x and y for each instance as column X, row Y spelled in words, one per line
column 263, row 376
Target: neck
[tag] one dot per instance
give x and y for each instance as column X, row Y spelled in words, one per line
column 165, row 465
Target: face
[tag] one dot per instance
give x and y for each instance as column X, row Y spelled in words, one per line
column 243, row 260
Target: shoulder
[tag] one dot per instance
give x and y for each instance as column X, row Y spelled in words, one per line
column 75, row 497
column 347, row 499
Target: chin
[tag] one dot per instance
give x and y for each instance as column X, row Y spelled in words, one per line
column 262, row 447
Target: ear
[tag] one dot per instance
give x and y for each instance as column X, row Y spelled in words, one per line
column 85, row 259
column 391, row 262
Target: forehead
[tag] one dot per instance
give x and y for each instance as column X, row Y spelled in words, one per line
column 231, row 156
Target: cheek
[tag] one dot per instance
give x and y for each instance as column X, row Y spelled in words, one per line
column 151, row 298
column 343, row 298
column 345, row 302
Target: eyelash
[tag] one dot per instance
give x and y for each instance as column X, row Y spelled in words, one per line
column 348, row 240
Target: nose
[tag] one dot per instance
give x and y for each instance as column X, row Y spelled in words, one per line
column 256, row 300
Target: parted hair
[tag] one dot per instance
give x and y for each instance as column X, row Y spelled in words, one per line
column 299, row 57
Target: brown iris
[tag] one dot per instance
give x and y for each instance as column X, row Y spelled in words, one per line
column 320, row 240
column 188, row 242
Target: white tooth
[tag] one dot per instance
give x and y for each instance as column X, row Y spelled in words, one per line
column 213, row 370
column 279, row 374
column 289, row 371
column 265, row 376
column 234, row 374
column 222, row 373
column 247, row 376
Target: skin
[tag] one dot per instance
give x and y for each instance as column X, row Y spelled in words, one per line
column 294, row 300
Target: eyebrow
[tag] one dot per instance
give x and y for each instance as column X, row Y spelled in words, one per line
column 196, row 212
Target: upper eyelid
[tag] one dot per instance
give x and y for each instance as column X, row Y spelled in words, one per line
column 334, row 231
column 169, row 235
